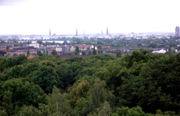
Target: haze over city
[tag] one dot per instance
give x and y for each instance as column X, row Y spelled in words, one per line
column 88, row 16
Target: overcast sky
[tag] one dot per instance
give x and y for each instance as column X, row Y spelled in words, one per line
column 88, row 16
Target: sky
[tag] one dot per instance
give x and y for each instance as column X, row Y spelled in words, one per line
column 88, row 16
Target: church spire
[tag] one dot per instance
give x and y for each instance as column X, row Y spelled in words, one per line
column 107, row 31
column 49, row 31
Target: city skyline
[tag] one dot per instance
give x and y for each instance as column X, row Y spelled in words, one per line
column 88, row 16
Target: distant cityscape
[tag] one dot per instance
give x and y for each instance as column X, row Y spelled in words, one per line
column 14, row 45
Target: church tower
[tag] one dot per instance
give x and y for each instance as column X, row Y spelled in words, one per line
column 76, row 32
column 107, row 31
column 49, row 32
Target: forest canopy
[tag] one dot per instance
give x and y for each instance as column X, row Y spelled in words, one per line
column 139, row 84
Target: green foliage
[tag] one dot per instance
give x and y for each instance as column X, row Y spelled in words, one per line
column 104, row 110
column 58, row 104
column 46, row 77
column 77, row 50
column 83, row 53
column 79, row 90
column 29, row 111
column 39, row 42
column 94, row 51
column 19, row 92
column 125, row 111
column 81, row 106
column 99, row 94
column 54, row 52
column 2, row 53
column 100, row 85
column 89, row 53
column 28, row 53
column 39, row 53
column 10, row 62
column 153, row 45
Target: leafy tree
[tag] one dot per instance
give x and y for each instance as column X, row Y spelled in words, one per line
column 58, row 104
column 6, row 103
column 77, row 50
column 46, row 77
column 104, row 110
column 10, row 62
column 99, row 94
column 94, row 52
column 100, row 43
column 118, row 54
column 54, row 52
column 153, row 45
column 81, row 106
column 65, row 42
column 19, row 92
column 78, row 91
column 2, row 53
column 29, row 111
column 39, row 53
column 39, row 42
column 89, row 53
column 83, row 53
column 125, row 111
column 28, row 53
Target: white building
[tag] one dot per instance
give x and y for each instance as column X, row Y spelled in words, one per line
column 162, row 51
column 36, row 45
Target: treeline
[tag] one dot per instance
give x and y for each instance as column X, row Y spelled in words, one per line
column 141, row 84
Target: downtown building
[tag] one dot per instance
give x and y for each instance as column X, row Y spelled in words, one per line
column 177, row 31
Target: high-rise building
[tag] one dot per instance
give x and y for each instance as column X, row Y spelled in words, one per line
column 49, row 32
column 76, row 32
column 177, row 31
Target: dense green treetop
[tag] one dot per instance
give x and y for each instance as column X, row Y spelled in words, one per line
column 139, row 84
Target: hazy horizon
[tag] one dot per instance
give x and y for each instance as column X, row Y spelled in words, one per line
column 88, row 16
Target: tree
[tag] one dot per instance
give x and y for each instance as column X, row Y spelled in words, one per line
column 39, row 53
column 104, row 110
column 7, row 103
column 89, row 53
column 99, row 94
column 99, row 50
column 46, row 77
column 39, row 42
column 54, row 52
column 125, row 111
column 77, row 50
column 28, row 53
column 83, row 53
column 94, row 52
column 65, row 42
column 118, row 54
column 2, row 53
column 29, row 111
column 58, row 104
column 81, row 106
column 79, row 90
column 153, row 45
column 19, row 92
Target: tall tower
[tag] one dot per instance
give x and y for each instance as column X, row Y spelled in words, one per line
column 177, row 31
column 107, row 31
column 76, row 32
column 49, row 32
